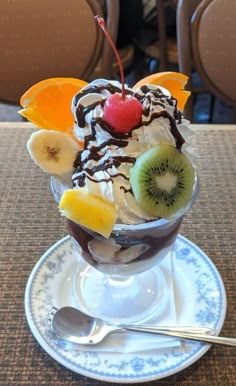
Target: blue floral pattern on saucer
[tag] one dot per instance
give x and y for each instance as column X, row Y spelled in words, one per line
column 200, row 299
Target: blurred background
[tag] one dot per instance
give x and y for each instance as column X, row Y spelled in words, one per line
column 41, row 39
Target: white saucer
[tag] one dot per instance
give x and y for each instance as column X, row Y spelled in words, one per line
column 200, row 299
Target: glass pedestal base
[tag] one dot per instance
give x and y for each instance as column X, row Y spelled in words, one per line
column 120, row 299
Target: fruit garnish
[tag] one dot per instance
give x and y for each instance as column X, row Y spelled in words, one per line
column 54, row 152
column 122, row 114
column 172, row 81
column 88, row 210
column 47, row 104
column 121, row 111
column 162, row 180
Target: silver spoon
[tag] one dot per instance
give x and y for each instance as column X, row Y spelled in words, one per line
column 70, row 324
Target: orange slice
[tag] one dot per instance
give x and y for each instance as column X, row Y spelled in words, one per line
column 172, row 81
column 47, row 104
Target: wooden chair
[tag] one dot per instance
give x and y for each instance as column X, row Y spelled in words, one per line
column 41, row 39
column 165, row 48
column 206, row 34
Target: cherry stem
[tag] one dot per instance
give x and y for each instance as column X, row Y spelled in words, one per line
column 101, row 24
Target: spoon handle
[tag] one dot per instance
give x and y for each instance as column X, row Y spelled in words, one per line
column 191, row 336
column 185, row 329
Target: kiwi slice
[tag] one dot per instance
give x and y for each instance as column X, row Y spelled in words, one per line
column 162, row 180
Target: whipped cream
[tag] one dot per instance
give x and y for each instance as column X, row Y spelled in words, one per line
column 103, row 167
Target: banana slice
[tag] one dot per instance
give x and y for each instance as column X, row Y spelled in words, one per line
column 54, row 152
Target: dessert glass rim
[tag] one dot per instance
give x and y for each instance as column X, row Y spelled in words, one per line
column 158, row 222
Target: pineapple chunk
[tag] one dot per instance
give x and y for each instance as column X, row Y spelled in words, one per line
column 89, row 210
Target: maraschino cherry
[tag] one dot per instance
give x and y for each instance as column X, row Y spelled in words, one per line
column 121, row 111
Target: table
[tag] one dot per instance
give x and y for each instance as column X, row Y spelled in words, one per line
column 30, row 224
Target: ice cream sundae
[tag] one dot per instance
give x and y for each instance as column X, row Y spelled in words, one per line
column 125, row 160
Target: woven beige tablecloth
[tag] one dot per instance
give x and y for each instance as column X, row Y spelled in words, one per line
column 30, row 224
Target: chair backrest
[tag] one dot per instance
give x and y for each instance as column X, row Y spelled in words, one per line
column 213, row 35
column 206, row 36
column 41, row 39
column 185, row 10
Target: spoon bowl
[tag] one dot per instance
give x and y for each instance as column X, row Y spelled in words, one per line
column 72, row 325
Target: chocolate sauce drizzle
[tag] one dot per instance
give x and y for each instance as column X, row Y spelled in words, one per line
column 118, row 140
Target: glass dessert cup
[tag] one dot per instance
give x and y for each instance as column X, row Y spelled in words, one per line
column 119, row 279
